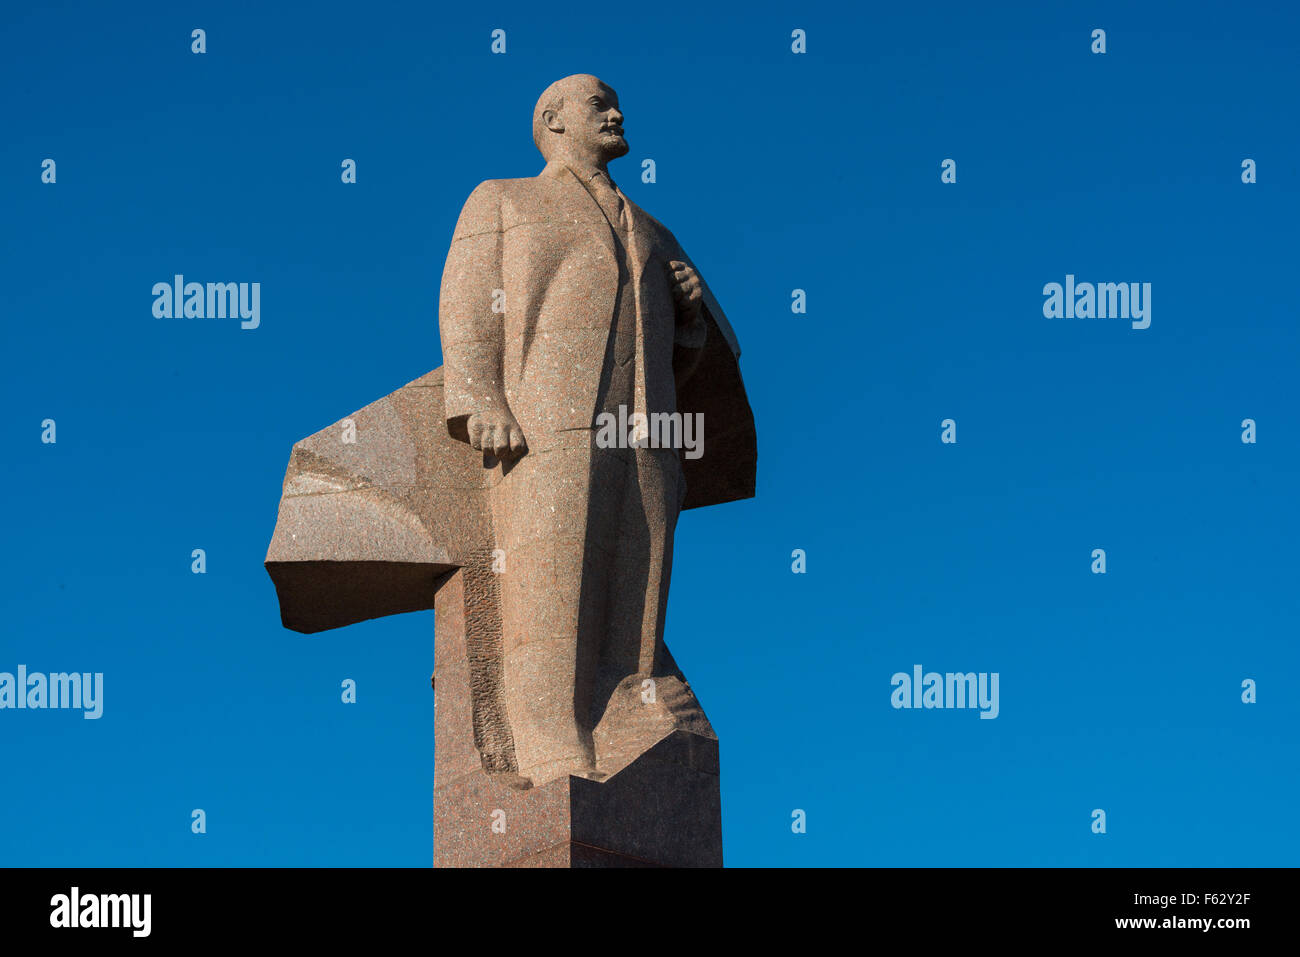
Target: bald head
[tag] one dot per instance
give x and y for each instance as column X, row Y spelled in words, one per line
column 577, row 120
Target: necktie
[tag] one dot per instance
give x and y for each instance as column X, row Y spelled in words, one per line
column 610, row 200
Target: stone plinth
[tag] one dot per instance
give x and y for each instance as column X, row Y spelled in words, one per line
column 657, row 812
column 663, row 809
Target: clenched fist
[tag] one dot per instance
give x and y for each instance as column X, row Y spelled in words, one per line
column 688, row 291
column 497, row 433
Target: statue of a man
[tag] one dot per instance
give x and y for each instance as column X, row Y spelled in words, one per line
column 562, row 300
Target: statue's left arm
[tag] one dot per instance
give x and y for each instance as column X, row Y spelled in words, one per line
column 692, row 329
column 707, row 372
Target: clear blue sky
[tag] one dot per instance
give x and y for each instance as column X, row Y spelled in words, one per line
column 776, row 171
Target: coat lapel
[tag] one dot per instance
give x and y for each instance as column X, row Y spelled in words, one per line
column 578, row 205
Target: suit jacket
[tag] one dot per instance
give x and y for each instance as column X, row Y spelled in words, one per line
column 542, row 248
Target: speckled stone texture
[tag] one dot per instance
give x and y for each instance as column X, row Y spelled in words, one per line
column 663, row 810
column 660, row 808
column 484, row 490
column 400, row 521
column 563, row 302
column 366, row 527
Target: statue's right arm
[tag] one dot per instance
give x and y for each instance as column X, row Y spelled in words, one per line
column 471, row 323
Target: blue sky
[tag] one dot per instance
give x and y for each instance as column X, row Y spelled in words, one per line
column 777, row 172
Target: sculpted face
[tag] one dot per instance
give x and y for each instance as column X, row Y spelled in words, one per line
column 590, row 121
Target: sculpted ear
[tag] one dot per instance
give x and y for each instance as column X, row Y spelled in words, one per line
column 553, row 121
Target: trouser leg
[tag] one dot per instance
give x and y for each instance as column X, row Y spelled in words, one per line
column 554, row 593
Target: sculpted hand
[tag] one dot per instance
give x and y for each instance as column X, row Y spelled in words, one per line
column 688, row 291
column 497, row 433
